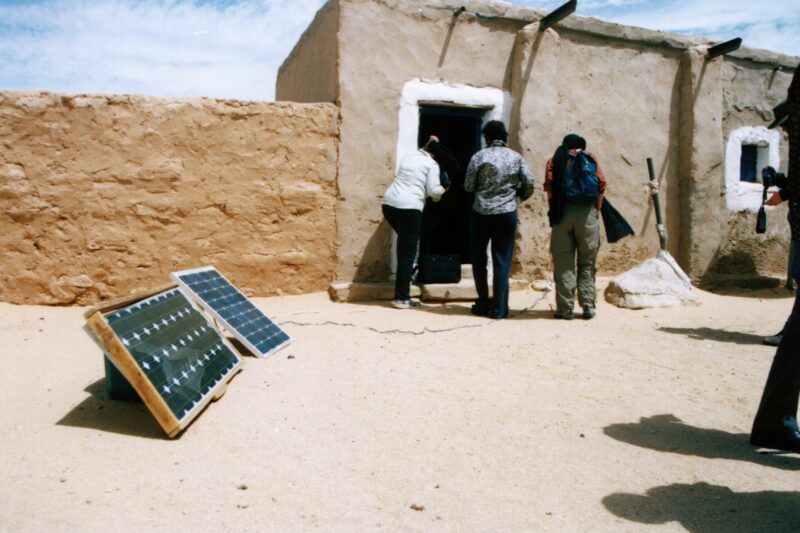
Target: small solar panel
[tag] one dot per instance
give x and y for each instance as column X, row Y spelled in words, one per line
column 232, row 308
column 169, row 352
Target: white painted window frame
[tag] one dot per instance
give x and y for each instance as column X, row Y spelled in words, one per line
column 739, row 195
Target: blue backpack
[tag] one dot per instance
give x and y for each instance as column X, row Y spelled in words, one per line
column 581, row 184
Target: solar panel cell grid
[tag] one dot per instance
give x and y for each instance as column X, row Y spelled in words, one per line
column 237, row 312
column 175, row 347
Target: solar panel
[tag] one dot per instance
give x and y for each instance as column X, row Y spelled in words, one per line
column 169, row 352
column 232, row 308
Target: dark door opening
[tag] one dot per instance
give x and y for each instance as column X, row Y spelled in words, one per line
column 445, row 224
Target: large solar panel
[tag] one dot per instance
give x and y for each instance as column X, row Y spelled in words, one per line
column 232, row 308
column 167, row 349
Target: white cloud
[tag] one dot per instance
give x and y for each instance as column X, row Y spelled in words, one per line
column 233, row 48
column 774, row 25
column 157, row 47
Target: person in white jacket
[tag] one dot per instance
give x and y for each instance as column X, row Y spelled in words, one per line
column 417, row 178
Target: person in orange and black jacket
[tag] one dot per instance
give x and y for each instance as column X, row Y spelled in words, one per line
column 575, row 223
column 775, row 424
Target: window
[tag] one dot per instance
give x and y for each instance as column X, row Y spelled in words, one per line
column 747, row 151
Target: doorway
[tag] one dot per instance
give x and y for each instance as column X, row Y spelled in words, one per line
column 445, row 224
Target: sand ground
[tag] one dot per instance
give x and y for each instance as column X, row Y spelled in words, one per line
column 633, row 421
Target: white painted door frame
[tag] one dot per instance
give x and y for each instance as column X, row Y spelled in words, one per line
column 416, row 92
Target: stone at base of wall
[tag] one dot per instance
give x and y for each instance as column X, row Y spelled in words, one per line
column 352, row 291
column 656, row 282
column 464, row 290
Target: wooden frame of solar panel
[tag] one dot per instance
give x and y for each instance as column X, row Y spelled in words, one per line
column 210, row 308
column 122, row 358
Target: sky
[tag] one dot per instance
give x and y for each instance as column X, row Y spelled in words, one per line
column 233, row 48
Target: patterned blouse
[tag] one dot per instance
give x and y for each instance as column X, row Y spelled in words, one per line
column 498, row 175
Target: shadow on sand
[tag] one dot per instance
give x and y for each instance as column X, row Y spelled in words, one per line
column 666, row 433
column 704, row 508
column 103, row 414
column 713, row 334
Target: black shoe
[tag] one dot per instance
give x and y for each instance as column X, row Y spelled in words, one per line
column 481, row 308
column 774, row 340
column 564, row 315
column 588, row 313
column 497, row 314
column 785, row 437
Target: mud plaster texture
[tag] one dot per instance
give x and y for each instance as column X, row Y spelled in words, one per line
column 625, row 89
column 561, row 86
column 750, row 91
column 104, row 195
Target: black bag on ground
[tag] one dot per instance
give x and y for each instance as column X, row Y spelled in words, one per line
column 439, row 268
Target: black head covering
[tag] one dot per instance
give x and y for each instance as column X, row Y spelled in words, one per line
column 574, row 141
column 448, row 164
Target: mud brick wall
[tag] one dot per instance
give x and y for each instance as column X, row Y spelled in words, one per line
column 104, row 195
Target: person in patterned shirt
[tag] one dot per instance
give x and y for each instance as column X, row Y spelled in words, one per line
column 775, row 424
column 498, row 176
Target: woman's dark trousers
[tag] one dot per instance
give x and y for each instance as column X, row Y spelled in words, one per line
column 500, row 230
column 406, row 223
column 782, row 389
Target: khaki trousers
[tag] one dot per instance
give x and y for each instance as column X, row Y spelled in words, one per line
column 578, row 232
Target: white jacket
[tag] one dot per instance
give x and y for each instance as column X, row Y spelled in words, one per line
column 417, row 178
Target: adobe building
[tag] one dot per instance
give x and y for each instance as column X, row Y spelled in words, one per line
column 399, row 70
